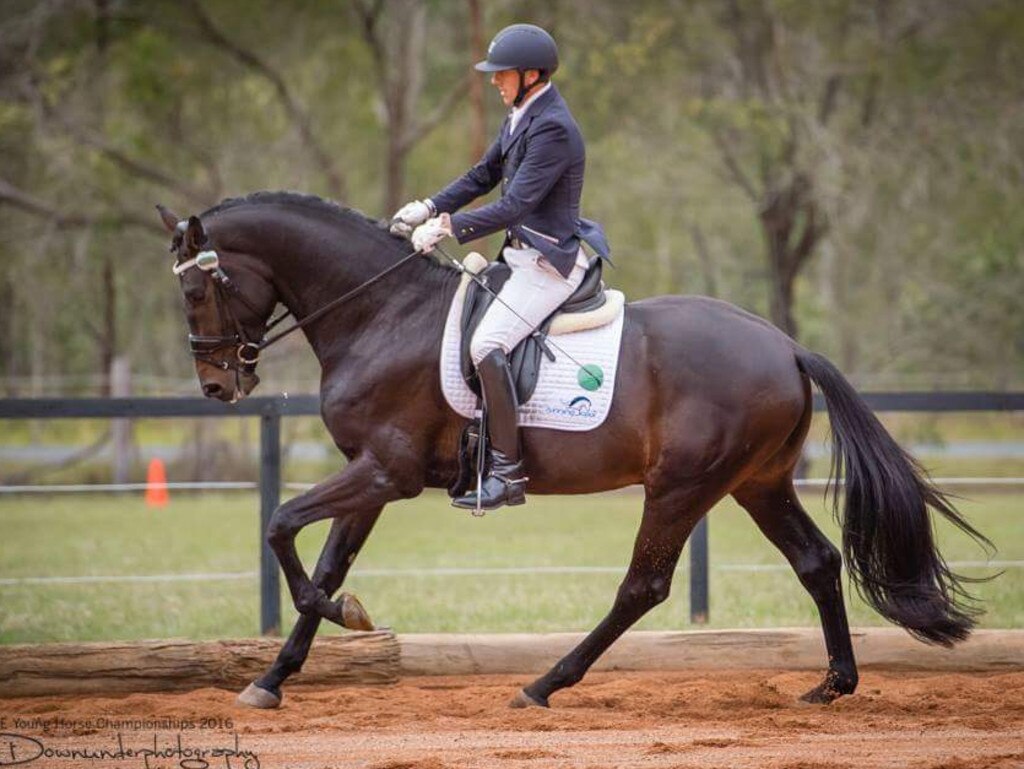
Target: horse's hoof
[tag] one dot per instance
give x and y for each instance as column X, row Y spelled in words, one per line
column 831, row 689
column 822, row 694
column 524, row 700
column 255, row 697
column 353, row 615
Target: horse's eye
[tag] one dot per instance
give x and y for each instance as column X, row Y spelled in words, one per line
column 195, row 294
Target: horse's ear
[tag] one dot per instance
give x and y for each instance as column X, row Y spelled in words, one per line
column 195, row 235
column 169, row 218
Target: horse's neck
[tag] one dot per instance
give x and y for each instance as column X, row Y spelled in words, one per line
column 392, row 322
column 314, row 263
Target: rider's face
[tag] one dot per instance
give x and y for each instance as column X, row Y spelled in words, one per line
column 507, row 83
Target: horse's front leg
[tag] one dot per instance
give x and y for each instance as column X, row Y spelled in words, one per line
column 346, row 538
column 364, row 486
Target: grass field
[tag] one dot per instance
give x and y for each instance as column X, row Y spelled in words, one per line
column 70, row 536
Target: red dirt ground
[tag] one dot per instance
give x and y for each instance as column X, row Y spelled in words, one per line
column 711, row 720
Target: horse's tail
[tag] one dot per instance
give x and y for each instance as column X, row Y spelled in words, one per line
column 888, row 543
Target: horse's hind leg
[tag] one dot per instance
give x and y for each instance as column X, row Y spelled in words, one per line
column 775, row 508
column 667, row 522
column 344, row 541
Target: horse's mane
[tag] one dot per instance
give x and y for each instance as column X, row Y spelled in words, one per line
column 296, row 199
column 310, row 203
column 328, row 209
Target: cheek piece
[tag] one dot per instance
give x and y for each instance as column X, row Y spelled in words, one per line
column 205, row 348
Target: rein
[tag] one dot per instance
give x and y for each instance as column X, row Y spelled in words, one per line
column 248, row 352
column 320, row 312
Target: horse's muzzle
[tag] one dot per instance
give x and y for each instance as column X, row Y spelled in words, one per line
column 229, row 385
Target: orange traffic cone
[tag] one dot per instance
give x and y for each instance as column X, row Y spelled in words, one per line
column 156, row 484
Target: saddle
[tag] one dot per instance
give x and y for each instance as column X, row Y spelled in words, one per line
column 526, row 357
column 588, row 307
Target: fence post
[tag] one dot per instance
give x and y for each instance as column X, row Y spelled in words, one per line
column 270, row 498
column 121, row 429
column 699, row 573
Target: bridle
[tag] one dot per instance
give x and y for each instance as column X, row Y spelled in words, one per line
column 203, row 348
column 247, row 350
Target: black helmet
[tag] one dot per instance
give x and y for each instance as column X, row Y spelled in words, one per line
column 521, row 47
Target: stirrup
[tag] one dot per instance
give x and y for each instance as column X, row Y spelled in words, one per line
column 513, row 493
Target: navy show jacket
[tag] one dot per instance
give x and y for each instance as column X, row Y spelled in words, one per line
column 540, row 169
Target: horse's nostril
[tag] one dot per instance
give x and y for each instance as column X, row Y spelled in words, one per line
column 212, row 389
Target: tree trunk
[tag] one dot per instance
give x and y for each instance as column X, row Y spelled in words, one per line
column 707, row 265
column 8, row 335
column 403, row 78
column 108, row 333
column 478, row 140
column 394, row 184
column 792, row 228
column 781, row 305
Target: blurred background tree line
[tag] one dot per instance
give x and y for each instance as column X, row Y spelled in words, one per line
column 851, row 169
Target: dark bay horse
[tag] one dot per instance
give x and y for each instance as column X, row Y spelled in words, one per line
column 709, row 401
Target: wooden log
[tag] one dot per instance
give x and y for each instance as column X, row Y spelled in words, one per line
column 380, row 657
column 791, row 649
column 147, row 666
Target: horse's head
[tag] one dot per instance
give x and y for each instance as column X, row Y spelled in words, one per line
column 228, row 299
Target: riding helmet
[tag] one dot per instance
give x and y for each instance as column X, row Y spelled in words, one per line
column 521, row 47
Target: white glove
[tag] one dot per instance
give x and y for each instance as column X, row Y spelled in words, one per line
column 411, row 215
column 432, row 232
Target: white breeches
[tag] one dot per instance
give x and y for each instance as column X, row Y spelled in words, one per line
column 534, row 290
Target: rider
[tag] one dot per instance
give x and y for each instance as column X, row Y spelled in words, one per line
column 538, row 158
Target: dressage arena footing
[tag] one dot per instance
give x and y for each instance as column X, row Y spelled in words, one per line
column 382, row 657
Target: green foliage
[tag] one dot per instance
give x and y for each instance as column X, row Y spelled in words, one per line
column 905, row 116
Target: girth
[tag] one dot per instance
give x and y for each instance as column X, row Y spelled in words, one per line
column 526, row 357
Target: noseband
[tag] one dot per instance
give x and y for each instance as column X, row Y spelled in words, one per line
column 247, row 351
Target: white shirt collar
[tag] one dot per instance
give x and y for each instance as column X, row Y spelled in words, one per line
column 517, row 112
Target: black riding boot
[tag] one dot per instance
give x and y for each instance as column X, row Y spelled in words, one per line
column 505, row 484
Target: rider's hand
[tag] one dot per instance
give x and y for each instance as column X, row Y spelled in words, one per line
column 432, row 232
column 411, row 215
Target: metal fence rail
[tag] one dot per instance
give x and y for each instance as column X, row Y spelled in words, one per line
column 997, row 483
column 272, row 409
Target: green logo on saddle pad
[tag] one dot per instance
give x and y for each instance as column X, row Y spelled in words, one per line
column 590, row 377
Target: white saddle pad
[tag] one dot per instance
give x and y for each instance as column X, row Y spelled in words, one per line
column 566, row 398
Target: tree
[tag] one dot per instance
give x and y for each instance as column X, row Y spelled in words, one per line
column 395, row 31
column 851, row 169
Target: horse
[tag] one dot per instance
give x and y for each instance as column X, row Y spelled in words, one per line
column 710, row 400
